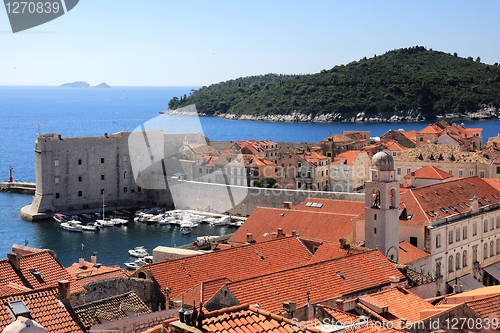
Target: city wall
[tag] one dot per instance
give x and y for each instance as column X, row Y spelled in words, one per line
column 241, row 200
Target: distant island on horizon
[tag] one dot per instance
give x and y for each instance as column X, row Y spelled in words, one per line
column 82, row 84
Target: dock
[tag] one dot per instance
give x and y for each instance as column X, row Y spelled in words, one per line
column 18, row 187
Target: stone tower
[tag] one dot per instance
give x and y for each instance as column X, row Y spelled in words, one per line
column 382, row 207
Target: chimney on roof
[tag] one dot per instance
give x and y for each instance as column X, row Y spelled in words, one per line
column 64, row 292
column 474, row 204
column 287, row 205
column 249, row 237
column 342, row 242
column 15, row 260
column 294, row 233
column 81, row 263
column 93, row 259
column 340, row 304
column 394, row 280
column 106, row 134
column 280, row 232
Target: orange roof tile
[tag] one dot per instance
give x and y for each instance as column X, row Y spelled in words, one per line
column 347, row 157
column 50, row 268
column 201, row 293
column 236, row 263
column 396, row 146
column 241, row 160
column 338, row 138
column 409, row 253
column 328, row 251
column 338, row 315
column 88, row 269
column 45, row 309
column 425, row 202
column 117, row 272
column 494, row 182
column 312, row 157
column 429, row 172
column 325, row 280
column 411, row 135
column 486, row 306
column 256, row 146
column 332, row 206
column 246, row 319
column 401, row 304
column 12, row 289
column 315, row 225
column 431, row 129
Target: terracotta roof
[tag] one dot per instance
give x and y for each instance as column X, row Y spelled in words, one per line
column 88, row 268
column 44, row 308
column 236, row 263
column 409, row 253
column 394, row 146
column 338, row 315
column 429, row 172
column 202, row 292
column 51, row 272
column 459, row 131
column 117, row 272
column 325, row 280
column 338, row 138
column 411, row 135
column 112, row 308
column 312, row 157
column 486, row 306
column 332, row 206
column 246, row 319
column 241, row 160
column 315, row 225
column 328, row 251
column 440, row 154
column 494, row 182
column 347, row 157
column 425, row 202
column 431, row 129
column 13, row 289
column 256, row 146
column 400, row 303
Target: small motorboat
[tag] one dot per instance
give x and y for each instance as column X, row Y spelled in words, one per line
column 135, row 264
column 224, row 220
column 104, row 223
column 118, row 222
column 60, row 218
column 186, row 230
column 73, row 225
column 138, row 252
column 236, row 224
column 90, row 227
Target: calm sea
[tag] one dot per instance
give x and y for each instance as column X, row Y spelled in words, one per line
column 26, row 111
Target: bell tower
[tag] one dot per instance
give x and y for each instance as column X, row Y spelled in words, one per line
column 382, row 207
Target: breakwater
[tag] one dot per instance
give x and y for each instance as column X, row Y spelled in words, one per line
column 18, row 187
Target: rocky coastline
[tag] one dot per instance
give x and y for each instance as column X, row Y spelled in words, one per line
column 484, row 113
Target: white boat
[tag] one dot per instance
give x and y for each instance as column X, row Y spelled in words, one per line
column 103, row 222
column 135, row 264
column 236, row 224
column 186, row 230
column 60, row 218
column 224, row 220
column 73, row 225
column 166, row 220
column 138, row 252
column 90, row 227
column 119, row 221
column 188, row 224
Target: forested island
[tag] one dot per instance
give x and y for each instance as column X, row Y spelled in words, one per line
column 404, row 84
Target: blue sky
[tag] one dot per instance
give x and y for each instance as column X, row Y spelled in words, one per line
column 194, row 43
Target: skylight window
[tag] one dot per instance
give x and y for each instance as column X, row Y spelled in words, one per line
column 308, row 204
column 494, row 196
column 466, row 204
column 459, row 205
column 409, row 217
column 453, row 208
column 444, row 210
column 19, row 309
column 430, row 214
column 314, row 204
column 486, row 199
column 340, row 275
column 434, row 212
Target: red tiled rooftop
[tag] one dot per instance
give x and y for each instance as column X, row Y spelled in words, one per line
column 347, row 157
column 87, row 268
column 411, row 135
column 401, row 304
column 431, row 198
column 117, row 272
column 201, row 293
column 235, row 264
column 431, row 129
column 44, row 308
column 264, row 221
column 429, row 172
column 312, row 157
column 12, row 289
column 325, row 280
column 51, row 272
column 409, row 253
column 328, row 251
column 396, row 146
column 256, row 146
column 486, row 306
column 332, row 206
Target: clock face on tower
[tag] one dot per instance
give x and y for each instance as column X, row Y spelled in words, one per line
column 392, row 254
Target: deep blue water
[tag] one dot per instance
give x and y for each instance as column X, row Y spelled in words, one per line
column 25, row 111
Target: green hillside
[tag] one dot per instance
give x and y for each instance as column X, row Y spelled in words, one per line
column 414, row 78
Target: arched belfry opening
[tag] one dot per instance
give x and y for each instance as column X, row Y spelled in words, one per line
column 375, row 198
column 392, row 198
